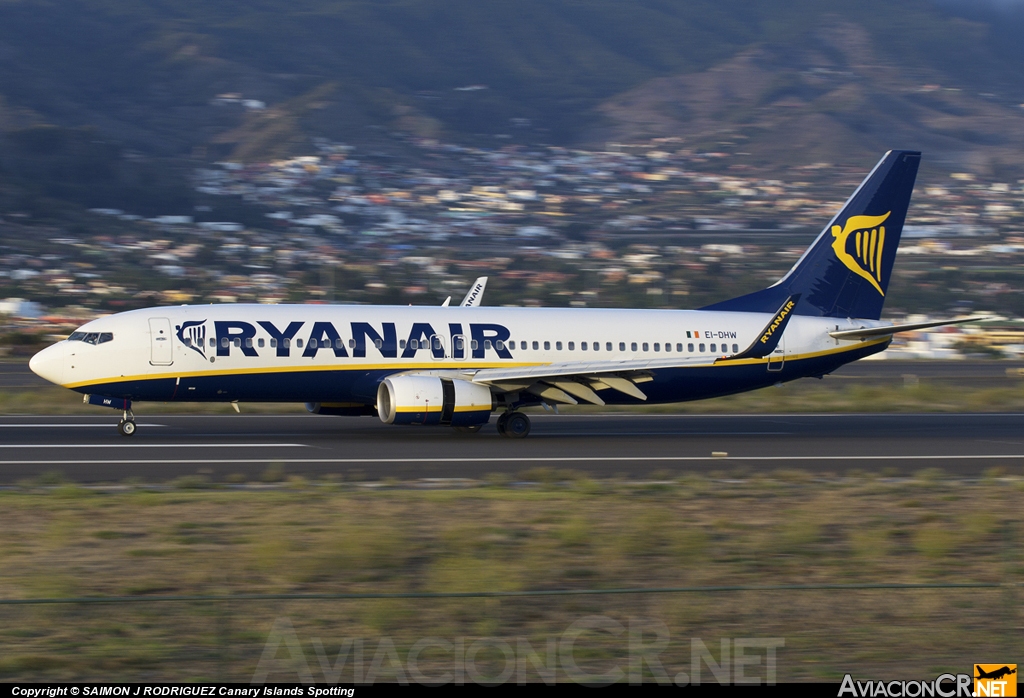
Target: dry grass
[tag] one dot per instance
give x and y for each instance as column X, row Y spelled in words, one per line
column 301, row 538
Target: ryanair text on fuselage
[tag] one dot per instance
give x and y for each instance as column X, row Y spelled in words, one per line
column 324, row 336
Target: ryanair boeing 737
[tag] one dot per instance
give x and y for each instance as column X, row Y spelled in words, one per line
column 455, row 366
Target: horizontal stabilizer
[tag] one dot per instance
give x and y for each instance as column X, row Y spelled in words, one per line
column 869, row 332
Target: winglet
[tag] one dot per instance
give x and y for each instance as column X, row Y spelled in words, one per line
column 769, row 337
column 475, row 294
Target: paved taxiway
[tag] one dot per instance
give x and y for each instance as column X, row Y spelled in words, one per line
column 88, row 449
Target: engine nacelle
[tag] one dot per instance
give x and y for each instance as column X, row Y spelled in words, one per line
column 412, row 399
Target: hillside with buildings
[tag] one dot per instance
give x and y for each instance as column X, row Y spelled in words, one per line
column 660, row 155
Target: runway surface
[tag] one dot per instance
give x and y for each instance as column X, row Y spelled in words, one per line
column 89, row 449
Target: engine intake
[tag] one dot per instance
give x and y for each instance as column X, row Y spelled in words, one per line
column 431, row 400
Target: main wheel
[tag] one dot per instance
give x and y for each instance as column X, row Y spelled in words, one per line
column 126, row 427
column 502, row 421
column 517, row 426
column 471, row 429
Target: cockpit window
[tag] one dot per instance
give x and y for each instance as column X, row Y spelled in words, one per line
column 91, row 337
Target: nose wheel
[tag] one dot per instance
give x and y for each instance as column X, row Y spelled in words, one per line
column 126, row 427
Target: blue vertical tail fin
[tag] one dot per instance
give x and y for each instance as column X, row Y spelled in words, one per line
column 846, row 271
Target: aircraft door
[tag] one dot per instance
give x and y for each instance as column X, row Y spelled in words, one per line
column 161, row 344
column 778, row 357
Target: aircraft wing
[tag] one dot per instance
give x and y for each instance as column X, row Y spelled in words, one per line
column 568, row 381
column 868, row 332
column 574, row 381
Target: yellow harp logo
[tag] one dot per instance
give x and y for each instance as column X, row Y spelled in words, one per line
column 859, row 246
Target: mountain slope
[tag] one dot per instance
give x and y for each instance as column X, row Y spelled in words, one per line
column 832, row 96
column 146, row 75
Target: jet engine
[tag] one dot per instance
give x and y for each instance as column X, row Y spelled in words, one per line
column 412, row 399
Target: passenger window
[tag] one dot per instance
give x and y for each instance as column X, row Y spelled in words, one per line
column 378, row 343
column 487, row 344
column 248, row 342
column 498, row 344
column 414, row 344
column 273, row 342
column 668, row 346
column 547, row 346
column 608, row 346
column 536, row 346
column 597, row 346
column 288, row 343
column 645, row 346
column 259, row 342
column 622, row 346
column 224, row 342
column 583, row 346
column 657, row 346
column 298, row 343
column 558, row 346
column 679, row 347
column 714, row 350
column 401, row 343
column 213, row 342
column 522, row 345
column 689, row 348
column 237, row 342
column 633, row 346
column 474, row 345
column 312, row 344
column 702, row 347
column 339, row 343
column 735, row 348
column 459, row 346
column 572, row 346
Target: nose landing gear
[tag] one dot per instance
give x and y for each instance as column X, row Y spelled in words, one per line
column 126, row 427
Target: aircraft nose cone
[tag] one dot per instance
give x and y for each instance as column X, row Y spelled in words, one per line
column 49, row 363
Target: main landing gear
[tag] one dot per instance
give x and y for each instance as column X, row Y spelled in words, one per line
column 514, row 425
column 126, row 426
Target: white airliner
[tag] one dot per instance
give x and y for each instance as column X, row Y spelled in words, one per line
column 455, row 366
